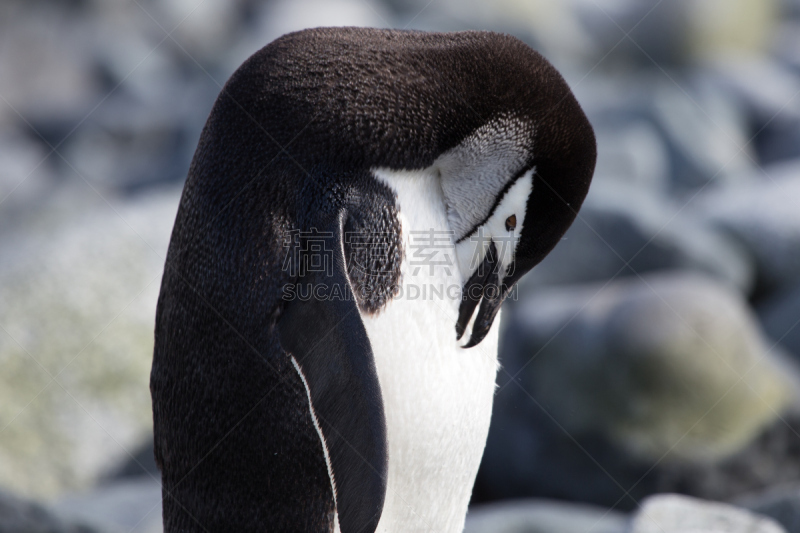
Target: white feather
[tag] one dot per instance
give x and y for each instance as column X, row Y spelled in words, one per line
column 437, row 396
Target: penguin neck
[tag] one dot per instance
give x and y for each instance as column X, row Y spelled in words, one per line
column 437, row 396
column 428, row 238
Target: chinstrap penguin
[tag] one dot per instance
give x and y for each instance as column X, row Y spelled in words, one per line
column 372, row 164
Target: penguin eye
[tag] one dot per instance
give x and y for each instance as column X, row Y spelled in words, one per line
column 511, row 222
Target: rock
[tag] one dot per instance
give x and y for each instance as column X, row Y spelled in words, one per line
column 129, row 145
column 740, row 28
column 780, row 318
column 703, row 131
column 761, row 85
column 627, row 350
column 78, row 288
column 781, row 503
column 786, row 41
column 615, row 386
column 132, row 505
column 542, row 516
column 622, row 231
column 706, row 132
column 141, row 463
column 49, row 74
column 632, row 152
column 671, row 513
column 26, row 178
column 773, row 458
column 273, row 19
column 204, row 29
column 764, row 217
column 779, row 140
column 24, row 516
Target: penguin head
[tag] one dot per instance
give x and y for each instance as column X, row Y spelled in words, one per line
column 512, row 189
column 514, row 151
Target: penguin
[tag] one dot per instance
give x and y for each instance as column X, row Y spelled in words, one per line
column 360, row 204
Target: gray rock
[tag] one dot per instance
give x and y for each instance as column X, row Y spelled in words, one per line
column 39, row 79
column 633, row 153
column 543, row 516
column 141, row 463
column 658, row 31
column 781, row 503
column 78, row 288
column 761, row 85
column 764, row 217
column 780, row 318
column 27, row 176
column 703, row 131
column 624, row 231
column 612, row 392
column 273, row 19
column 706, row 133
column 671, row 513
column 18, row 515
column 614, row 358
column 132, row 505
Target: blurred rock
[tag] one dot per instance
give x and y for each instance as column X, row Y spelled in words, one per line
column 141, row 463
column 204, row 30
column 611, row 381
column 629, row 349
column 781, row 503
column 49, row 72
column 780, row 318
column 132, row 505
column 26, row 174
column 130, row 145
column 762, row 86
column 24, row 516
column 624, row 231
column 701, row 127
column 671, row 513
column 737, row 27
column 764, row 217
column 773, row 458
column 632, row 153
column 786, row 37
column 278, row 17
column 78, row 288
column 623, row 34
column 779, row 140
column 764, row 91
column 638, row 33
column 706, row 132
column 542, row 516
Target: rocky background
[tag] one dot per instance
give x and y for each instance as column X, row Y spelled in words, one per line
column 649, row 378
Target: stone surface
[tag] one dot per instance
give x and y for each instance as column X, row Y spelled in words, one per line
column 607, row 390
column 780, row 318
column 23, row 516
column 78, row 288
column 543, row 516
column 633, row 153
column 671, row 513
column 706, row 132
column 781, row 503
column 636, row 346
column 763, row 216
column 622, row 231
column 132, row 505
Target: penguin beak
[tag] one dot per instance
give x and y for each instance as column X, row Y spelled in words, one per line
column 482, row 287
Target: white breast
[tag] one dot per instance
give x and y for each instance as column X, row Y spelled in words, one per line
column 437, row 396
